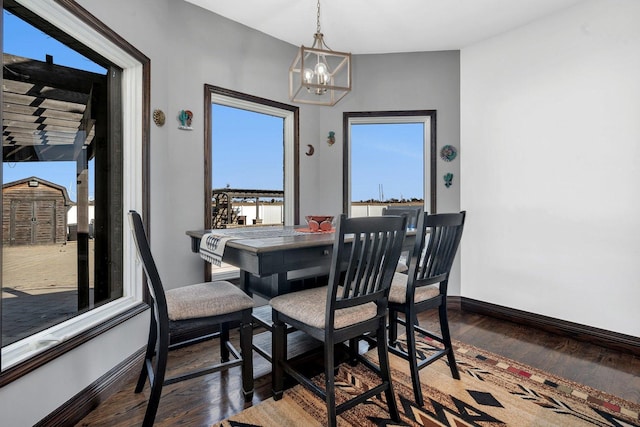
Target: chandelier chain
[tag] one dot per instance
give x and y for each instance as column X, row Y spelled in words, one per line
column 318, row 19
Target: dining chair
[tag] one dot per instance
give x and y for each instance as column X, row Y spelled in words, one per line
column 217, row 304
column 354, row 303
column 425, row 288
column 412, row 213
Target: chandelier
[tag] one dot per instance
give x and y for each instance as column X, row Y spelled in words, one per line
column 319, row 75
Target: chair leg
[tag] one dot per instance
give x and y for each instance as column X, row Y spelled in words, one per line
column 246, row 337
column 393, row 327
column 385, row 372
column 156, row 387
column 330, row 388
column 224, row 339
column 149, row 353
column 278, row 356
column 413, row 358
column 446, row 338
column 354, row 343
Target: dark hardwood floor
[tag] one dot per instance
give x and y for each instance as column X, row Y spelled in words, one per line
column 206, row 400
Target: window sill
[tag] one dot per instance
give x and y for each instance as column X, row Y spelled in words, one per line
column 34, row 351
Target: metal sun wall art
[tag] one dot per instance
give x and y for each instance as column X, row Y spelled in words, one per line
column 158, row 117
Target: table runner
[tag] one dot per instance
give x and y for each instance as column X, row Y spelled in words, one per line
column 212, row 244
column 212, row 247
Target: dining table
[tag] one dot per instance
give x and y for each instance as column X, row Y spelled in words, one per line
column 271, row 258
column 275, row 260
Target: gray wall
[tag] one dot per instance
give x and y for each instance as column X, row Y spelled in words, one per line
column 403, row 81
column 188, row 48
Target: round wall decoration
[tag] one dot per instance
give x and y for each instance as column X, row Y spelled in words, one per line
column 158, row 117
column 448, row 153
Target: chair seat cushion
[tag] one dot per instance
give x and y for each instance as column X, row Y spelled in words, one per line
column 309, row 306
column 206, row 299
column 398, row 292
column 402, row 267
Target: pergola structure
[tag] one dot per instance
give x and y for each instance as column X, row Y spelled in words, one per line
column 46, row 111
column 223, row 197
column 55, row 113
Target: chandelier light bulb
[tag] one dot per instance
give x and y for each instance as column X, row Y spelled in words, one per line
column 308, row 75
column 321, row 68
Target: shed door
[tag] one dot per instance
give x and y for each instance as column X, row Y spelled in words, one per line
column 33, row 222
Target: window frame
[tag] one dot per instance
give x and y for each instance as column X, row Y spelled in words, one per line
column 290, row 114
column 427, row 117
column 95, row 40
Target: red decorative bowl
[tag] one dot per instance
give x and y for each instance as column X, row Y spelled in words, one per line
column 319, row 222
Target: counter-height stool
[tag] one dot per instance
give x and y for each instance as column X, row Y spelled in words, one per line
column 365, row 253
column 219, row 304
column 425, row 288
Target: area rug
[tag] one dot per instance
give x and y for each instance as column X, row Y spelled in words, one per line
column 493, row 391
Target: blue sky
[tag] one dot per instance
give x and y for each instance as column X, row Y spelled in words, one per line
column 247, row 146
column 246, row 156
column 386, row 160
column 247, row 153
column 21, row 39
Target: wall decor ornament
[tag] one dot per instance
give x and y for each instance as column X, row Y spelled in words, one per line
column 448, row 153
column 310, row 151
column 448, row 179
column 185, row 118
column 331, row 139
column 158, row 117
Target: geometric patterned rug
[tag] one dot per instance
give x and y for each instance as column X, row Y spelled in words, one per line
column 492, row 391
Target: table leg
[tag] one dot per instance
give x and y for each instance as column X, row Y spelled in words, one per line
column 279, row 284
column 245, row 282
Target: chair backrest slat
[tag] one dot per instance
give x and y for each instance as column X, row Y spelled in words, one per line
column 437, row 246
column 372, row 246
column 412, row 212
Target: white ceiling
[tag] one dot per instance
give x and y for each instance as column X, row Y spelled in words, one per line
column 383, row 26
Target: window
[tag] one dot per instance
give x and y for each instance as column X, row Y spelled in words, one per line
column 73, row 150
column 388, row 159
column 251, row 175
column 247, row 159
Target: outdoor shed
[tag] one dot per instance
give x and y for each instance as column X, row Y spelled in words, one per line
column 34, row 211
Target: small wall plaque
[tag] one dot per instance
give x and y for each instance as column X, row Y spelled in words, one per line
column 185, row 118
column 331, row 138
column 448, row 179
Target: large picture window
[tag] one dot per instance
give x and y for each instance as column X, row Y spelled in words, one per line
column 72, row 144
